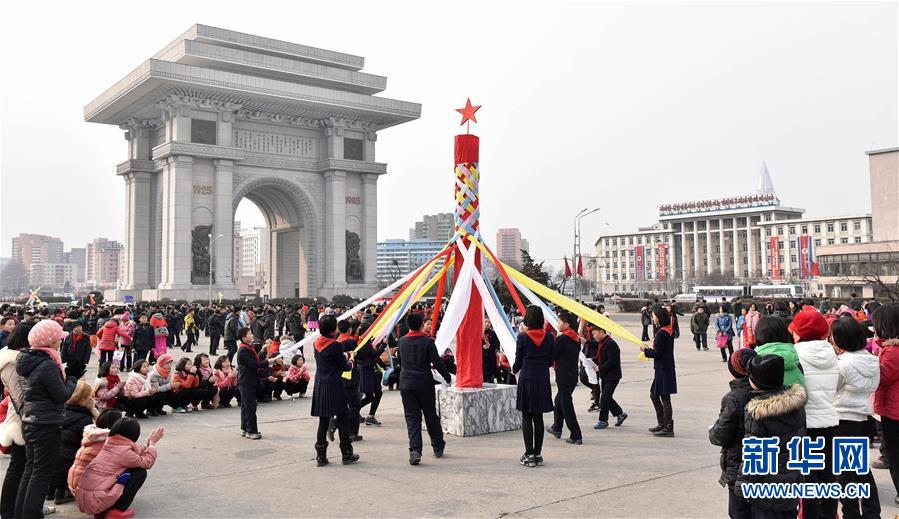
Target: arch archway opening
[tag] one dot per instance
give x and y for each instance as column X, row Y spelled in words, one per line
column 270, row 252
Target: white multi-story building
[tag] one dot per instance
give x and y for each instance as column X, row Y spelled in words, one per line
column 52, row 276
column 732, row 240
column 250, row 258
column 397, row 258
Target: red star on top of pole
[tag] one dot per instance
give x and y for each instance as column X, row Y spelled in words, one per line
column 468, row 112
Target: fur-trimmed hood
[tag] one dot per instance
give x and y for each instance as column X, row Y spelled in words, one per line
column 93, row 434
column 778, row 403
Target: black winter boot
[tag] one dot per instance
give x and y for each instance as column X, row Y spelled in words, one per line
column 321, row 454
column 667, row 431
column 348, row 456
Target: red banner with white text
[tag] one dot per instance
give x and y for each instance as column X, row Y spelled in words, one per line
column 774, row 257
column 662, row 261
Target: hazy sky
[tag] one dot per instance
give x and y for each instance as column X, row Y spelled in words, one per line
column 621, row 106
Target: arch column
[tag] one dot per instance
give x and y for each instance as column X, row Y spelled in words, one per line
column 137, row 231
column 335, row 229
column 223, row 262
column 176, row 227
column 370, row 228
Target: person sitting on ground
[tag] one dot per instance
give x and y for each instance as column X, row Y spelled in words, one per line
column 276, row 376
column 225, row 383
column 187, row 395
column 162, row 385
column 206, row 377
column 92, row 439
column 80, row 412
column 108, row 386
column 298, row 377
column 112, row 480
column 137, row 392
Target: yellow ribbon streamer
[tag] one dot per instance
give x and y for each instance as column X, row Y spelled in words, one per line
column 572, row 306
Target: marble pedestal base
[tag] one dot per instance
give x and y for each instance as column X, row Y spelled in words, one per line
column 470, row 412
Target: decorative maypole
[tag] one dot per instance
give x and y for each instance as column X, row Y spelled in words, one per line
column 461, row 324
column 469, row 336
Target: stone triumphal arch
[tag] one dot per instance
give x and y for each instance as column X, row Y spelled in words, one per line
column 218, row 116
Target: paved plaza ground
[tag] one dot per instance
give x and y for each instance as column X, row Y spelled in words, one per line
column 205, row 469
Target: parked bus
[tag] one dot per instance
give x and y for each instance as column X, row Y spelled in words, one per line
column 714, row 294
column 777, row 291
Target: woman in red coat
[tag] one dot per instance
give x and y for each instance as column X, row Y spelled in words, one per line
column 886, row 398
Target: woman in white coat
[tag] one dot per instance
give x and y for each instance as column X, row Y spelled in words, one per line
column 819, row 365
column 859, row 378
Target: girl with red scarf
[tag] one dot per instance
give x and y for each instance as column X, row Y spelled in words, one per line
column 108, row 386
column 533, row 357
column 665, row 382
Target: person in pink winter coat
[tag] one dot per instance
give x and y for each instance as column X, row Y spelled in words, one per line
column 92, row 440
column 225, row 377
column 106, row 337
column 112, row 480
column 127, row 327
column 161, row 329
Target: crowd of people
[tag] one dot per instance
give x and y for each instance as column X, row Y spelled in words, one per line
column 797, row 369
column 815, row 371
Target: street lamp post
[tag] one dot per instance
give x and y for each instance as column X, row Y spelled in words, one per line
column 577, row 243
column 211, row 258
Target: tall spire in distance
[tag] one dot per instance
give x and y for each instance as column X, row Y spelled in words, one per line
column 765, row 185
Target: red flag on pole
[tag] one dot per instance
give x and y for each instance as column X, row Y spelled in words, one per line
column 567, row 269
column 580, row 265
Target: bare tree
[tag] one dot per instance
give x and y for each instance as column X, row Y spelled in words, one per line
column 881, row 287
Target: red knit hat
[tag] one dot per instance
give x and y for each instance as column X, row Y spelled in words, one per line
column 810, row 325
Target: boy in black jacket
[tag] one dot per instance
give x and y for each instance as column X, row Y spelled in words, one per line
column 608, row 358
column 774, row 411
column 566, row 352
column 248, row 366
column 419, row 354
column 727, row 432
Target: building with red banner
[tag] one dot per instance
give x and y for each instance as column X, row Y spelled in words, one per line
column 732, row 240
